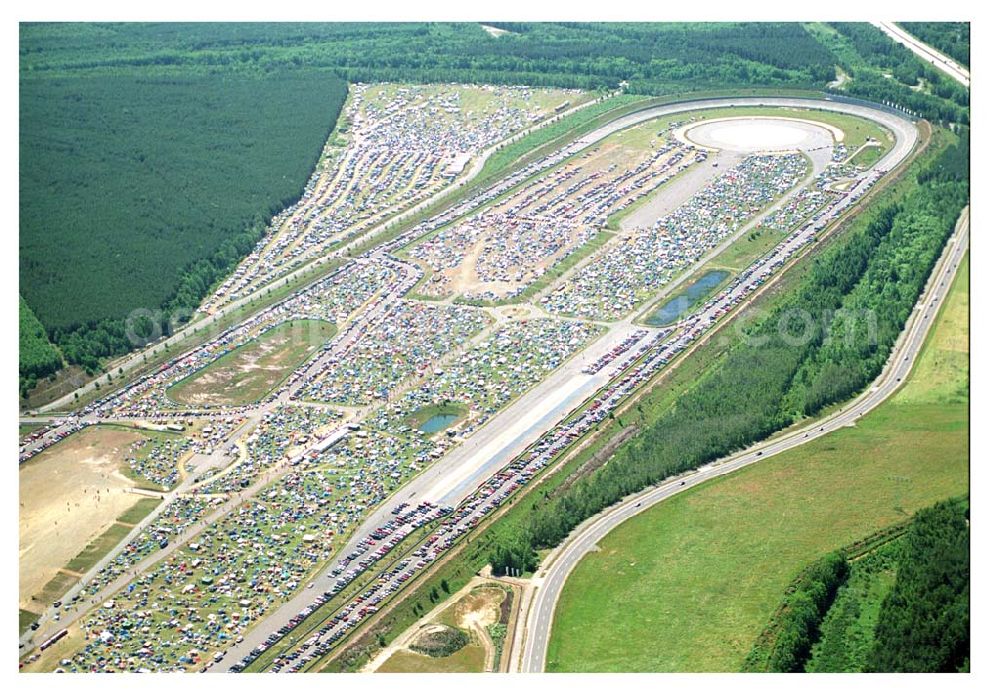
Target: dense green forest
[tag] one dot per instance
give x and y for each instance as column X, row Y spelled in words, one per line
column 656, row 57
column 923, row 625
column 802, row 356
column 885, row 71
column 140, row 192
column 901, row 605
column 951, row 38
column 37, row 356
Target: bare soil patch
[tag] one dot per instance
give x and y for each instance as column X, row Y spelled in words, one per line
column 68, row 495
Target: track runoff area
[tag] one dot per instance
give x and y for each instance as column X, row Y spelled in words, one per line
column 576, row 341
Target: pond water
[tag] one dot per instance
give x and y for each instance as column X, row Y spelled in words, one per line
column 675, row 308
column 438, row 422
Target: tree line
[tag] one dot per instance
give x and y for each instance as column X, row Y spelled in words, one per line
column 911, row 81
column 673, row 56
column 38, row 358
column 922, row 623
column 951, row 38
column 785, row 644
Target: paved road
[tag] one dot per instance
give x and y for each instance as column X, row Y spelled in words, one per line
column 944, row 63
column 532, row 639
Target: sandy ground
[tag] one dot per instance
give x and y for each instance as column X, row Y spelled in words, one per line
column 69, row 495
column 609, row 158
column 470, row 610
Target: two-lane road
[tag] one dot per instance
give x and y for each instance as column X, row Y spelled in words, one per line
column 532, row 634
column 944, row 63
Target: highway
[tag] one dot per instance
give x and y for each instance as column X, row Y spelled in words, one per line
column 944, row 63
column 533, row 629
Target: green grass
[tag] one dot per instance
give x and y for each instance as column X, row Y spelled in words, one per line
column 135, row 514
column 867, row 157
column 251, row 371
column 24, row 430
column 469, row 659
column 688, row 585
column 97, row 549
column 55, row 588
column 942, row 373
column 24, row 620
column 746, row 250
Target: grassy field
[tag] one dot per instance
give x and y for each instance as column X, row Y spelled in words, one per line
column 253, row 370
column 55, row 588
column 24, row 620
column 469, row 659
column 689, row 584
column 27, row 429
column 943, row 367
column 96, row 549
column 135, row 514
